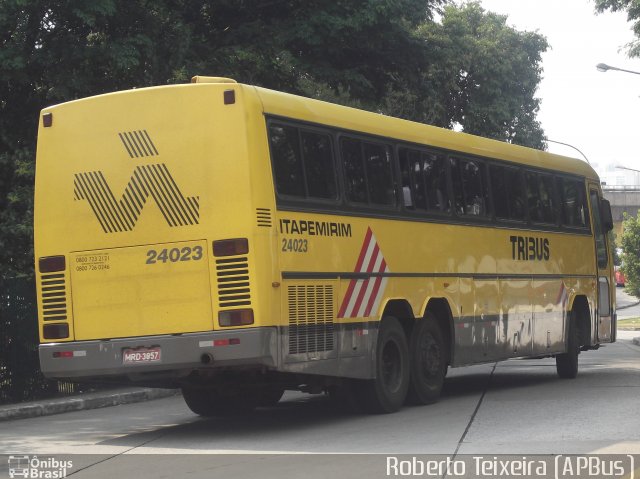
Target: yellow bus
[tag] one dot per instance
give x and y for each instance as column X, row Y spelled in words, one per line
column 237, row 242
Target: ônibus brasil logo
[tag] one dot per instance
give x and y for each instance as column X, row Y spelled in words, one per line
column 33, row 467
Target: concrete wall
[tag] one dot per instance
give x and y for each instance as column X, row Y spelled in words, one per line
column 623, row 200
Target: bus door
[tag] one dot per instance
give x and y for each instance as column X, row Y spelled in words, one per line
column 601, row 221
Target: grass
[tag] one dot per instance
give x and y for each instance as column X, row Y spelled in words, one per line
column 630, row 323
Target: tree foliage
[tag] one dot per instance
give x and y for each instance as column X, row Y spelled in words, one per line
column 422, row 60
column 632, row 7
column 630, row 243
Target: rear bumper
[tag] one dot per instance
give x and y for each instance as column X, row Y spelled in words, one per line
column 180, row 354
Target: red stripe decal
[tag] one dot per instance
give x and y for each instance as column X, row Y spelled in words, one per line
column 363, row 251
column 361, row 285
column 376, row 288
column 363, row 289
column 352, row 283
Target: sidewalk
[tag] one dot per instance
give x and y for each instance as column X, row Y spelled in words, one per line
column 624, row 300
column 94, row 400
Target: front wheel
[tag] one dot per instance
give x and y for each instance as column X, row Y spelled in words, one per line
column 567, row 363
column 428, row 358
column 387, row 392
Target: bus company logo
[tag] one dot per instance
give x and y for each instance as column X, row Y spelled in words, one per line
column 118, row 215
column 33, row 467
column 363, row 295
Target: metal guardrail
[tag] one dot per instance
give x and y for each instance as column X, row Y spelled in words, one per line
column 629, row 188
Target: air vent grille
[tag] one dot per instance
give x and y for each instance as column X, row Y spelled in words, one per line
column 311, row 311
column 264, row 217
column 54, row 297
column 233, row 282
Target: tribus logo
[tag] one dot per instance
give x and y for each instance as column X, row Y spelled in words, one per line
column 148, row 180
column 33, row 467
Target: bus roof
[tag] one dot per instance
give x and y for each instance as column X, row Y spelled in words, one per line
column 320, row 112
column 330, row 114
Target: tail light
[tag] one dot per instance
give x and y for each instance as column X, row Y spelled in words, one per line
column 231, row 247
column 51, row 264
column 236, row 317
column 55, row 331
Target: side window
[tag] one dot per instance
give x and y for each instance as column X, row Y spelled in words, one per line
column 508, row 193
column 424, row 181
column 377, row 160
column 434, row 169
column 319, row 165
column 540, row 197
column 368, row 172
column 354, row 170
column 287, row 161
column 469, row 186
column 548, row 198
column 499, row 191
column 574, row 210
column 601, row 244
column 302, row 162
column 413, row 194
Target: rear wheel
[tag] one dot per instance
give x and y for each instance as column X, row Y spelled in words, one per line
column 567, row 363
column 210, row 402
column 387, row 392
column 428, row 358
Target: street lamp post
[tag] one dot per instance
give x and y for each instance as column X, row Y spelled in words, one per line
column 603, row 67
column 570, row 146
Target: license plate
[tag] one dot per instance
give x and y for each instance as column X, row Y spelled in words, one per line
column 141, row 355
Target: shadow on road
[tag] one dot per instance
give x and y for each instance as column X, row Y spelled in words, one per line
column 317, row 412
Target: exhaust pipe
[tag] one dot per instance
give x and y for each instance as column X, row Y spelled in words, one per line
column 206, row 358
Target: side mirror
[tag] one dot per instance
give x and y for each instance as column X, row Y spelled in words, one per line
column 605, row 214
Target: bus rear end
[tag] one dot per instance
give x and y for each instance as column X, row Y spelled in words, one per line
column 144, row 236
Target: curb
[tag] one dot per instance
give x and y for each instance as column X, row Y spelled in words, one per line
column 627, row 306
column 87, row 401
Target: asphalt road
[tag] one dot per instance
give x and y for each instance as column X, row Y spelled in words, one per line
column 513, row 407
column 629, row 304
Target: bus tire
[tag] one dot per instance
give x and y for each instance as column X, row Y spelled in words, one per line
column 210, row 403
column 387, row 392
column 567, row 363
column 428, row 359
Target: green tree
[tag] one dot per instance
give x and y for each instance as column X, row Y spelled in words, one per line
column 630, row 242
column 55, row 51
column 632, row 7
column 613, row 244
column 390, row 56
column 486, row 75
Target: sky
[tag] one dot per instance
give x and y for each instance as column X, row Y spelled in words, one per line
column 594, row 111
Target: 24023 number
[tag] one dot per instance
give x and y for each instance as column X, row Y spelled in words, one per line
column 174, row 255
column 295, row 245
